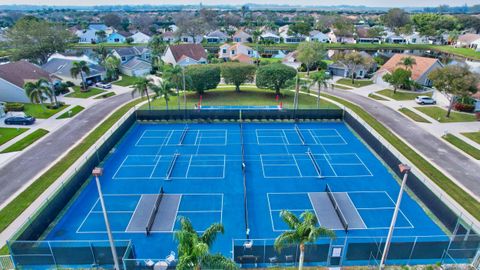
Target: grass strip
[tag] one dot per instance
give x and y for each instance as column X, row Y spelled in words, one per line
column 6, row 134
column 78, row 93
column 106, row 95
column 474, row 136
column 439, row 114
column 376, row 97
column 39, row 112
column 72, row 112
column 357, row 83
column 401, row 95
column 342, row 87
column 462, row 145
column 126, row 81
column 453, row 190
column 26, row 141
column 412, row 115
column 10, row 212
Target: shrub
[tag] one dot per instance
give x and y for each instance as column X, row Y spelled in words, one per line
column 274, row 76
column 14, row 107
column 70, row 84
column 203, row 77
column 464, row 107
column 53, row 106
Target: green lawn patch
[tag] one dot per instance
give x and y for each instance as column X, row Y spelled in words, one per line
column 26, row 141
column 357, row 84
column 342, row 87
column 77, row 93
column 413, row 115
column 373, row 96
column 106, row 95
column 6, row 134
column 462, row 145
column 24, row 199
column 72, row 112
column 270, row 60
column 474, row 136
column 37, row 111
column 249, row 95
column 126, row 81
column 458, row 194
column 439, row 114
column 401, row 95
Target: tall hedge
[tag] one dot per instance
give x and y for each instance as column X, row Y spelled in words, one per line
column 202, row 77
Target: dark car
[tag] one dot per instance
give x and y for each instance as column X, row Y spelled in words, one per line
column 20, row 120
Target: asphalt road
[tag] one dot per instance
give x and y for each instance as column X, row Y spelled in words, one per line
column 463, row 169
column 28, row 164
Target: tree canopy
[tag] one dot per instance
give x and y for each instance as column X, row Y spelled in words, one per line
column 203, row 77
column 237, row 73
column 309, row 53
column 36, row 39
column 274, row 76
column 399, row 78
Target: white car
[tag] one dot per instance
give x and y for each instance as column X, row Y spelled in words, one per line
column 425, row 100
column 103, row 85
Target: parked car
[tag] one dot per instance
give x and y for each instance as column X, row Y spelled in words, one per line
column 20, row 120
column 103, row 85
column 425, row 100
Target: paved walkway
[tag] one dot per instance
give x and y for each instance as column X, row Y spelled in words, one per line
column 34, row 160
column 461, row 168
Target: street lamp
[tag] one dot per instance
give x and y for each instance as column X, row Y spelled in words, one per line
column 405, row 169
column 97, row 171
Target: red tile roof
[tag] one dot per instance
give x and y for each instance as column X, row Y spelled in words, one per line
column 421, row 66
column 21, row 72
column 194, row 51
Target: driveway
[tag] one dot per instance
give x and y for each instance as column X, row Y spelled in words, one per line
column 25, row 167
column 464, row 170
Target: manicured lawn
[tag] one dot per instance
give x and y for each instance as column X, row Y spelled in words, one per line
column 457, row 193
column 439, row 114
column 24, row 199
column 373, row 96
column 26, row 141
column 342, row 87
column 462, row 145
column 248, row 95
column 270, row 60
column 106, row 95
column 358, row 83
column 37, row 111
column 77, row 93
column 6, row 134
column 413, row 115
column 71, row 113
column 126, row 81
column 474, row 136
column 401, row 95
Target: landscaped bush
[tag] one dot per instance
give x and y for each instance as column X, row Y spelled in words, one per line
column 464, row 107
column 203, row 77
column 70, row 84
column 53, row 106
column 14, row 107
column 61, row 88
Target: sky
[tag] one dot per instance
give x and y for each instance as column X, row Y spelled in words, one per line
column 375, row 3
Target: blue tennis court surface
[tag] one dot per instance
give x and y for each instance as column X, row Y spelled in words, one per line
column 199, row 166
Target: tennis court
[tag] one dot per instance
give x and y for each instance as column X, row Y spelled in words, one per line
column 240, row 175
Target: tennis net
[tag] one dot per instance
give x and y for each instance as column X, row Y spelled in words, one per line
column 245, row 203
column 151, row 219
column 339, row 212
column 299, row 134
column 182, row 137
column 314, row 162
column 172, row 165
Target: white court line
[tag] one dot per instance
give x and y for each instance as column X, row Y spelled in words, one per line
column 328, row 162
column 136, row 207
column 87, row 215
column 176, row 214
column 356, row 210
column 298, row 167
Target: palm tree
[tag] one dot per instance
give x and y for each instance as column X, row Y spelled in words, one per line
column 175, row 76
column 101, row 35
column 302, row 231
column 320, row 79
column 164, row 89
column 193, row 248
column 36, row 91
column 80, row 68
column 256, row 35
column 112, row 64
column 408, row 62
column 141, row 86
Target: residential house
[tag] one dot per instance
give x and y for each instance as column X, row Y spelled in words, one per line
column 190, row 39
column 416, row 38
column 60, row 65
column 13, row 77
column 318, row 36
column 279, row 55
column 241, row 37
column 420, row 71
column 87, row 36
column 237, row 52
column 98, row 27
column 269, row 37
column 136, row 67
column 340, row 69
column 336, row 37
column 140, row 38
column 185, row 54
column 291, row 60
column 395, row 39
column 169, row 37
column 468, row 41
column 116, row 37
column 127, row 53
column 292, row 38
column 364, row 37
column 216, row 37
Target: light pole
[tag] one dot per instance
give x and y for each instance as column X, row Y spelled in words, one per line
column 405, row 169
column 97, row 171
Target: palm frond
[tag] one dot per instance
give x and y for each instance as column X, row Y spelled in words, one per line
column 211, row 233
column 290, row 219
column 288, row 238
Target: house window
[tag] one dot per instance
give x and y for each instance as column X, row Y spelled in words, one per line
column 123, row 58
column 116, row 40
column 224, row 51
column 233, row 52
column 185, row 39
column 249, row 52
